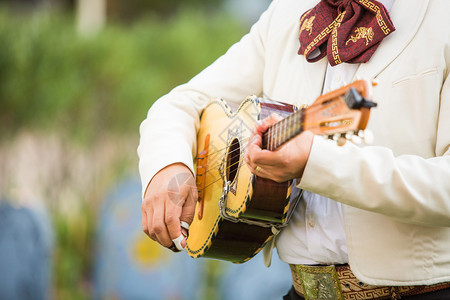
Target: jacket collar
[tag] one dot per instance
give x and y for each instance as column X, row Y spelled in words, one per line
column 407, row 15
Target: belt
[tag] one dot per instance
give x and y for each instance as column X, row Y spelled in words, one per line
column 339, row 283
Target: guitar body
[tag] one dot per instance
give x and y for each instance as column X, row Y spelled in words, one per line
column 237, row 212
column 223, row 138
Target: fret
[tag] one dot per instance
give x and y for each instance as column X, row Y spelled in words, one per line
column 278, row 135
column 280, row 138
column 282, row 131
column 270, row 138
column 291, row 124
column 274, row 137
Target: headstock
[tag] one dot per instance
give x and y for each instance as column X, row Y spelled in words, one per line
column 342, row 114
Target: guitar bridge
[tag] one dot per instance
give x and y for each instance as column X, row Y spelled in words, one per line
column 202, row 163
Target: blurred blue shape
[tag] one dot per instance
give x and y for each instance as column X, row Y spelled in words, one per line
column 247, row 11
column 25, row 254
column 254, row 281
column 131, row 266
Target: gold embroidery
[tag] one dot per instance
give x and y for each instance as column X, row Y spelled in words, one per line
column 370, row 5
column 307, row 24
column 361, row 33
column 324, row 33
column 334, row 46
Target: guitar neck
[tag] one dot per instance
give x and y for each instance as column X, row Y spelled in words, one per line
column 284, row 130
column 337, row 114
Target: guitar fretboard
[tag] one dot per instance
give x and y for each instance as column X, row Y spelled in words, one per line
column 284, row 130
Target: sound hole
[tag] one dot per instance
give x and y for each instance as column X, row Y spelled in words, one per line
column 233, row 158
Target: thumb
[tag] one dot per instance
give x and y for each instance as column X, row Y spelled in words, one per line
column 188, row 211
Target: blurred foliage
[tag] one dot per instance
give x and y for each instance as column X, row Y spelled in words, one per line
column 129, row 10
column 52, row 78
column 74, row 254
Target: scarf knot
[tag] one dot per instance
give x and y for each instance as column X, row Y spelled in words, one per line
column 343, row 30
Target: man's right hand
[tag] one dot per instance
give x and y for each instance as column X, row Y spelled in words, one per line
column 169, row 199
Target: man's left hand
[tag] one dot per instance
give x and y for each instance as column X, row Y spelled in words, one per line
column 285, row 163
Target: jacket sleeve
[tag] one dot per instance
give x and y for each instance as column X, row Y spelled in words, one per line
column 409, row 188
column 168, row 134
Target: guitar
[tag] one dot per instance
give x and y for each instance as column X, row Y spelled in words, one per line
column 237, row 212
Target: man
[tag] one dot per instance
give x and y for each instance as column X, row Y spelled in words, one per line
column 382, row 209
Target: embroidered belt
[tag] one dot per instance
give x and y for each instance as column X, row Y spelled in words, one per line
column 339, row 283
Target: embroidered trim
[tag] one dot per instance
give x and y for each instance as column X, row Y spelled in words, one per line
column 361, row 33
column 301, row 21
column 324, row 33
column 334, row 46
column 373, row 7
column 307, row 25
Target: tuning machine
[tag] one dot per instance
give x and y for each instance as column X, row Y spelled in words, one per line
column 355, row 100
column 339, row 138
column 356, row 137
column 361, row 136
column 367, row 136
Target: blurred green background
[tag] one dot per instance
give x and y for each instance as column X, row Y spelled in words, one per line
column 76, row 80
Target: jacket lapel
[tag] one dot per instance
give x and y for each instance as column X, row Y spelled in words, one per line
column 314, row 75
column 407, row 16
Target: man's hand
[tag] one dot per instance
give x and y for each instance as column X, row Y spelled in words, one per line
column 285, row 163
column 169, row 199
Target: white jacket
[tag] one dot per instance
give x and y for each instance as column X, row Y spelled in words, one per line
column 396, row 193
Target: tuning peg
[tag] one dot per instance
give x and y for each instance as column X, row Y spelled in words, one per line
column 356, row 140
column 368, row 137
column 339, row 139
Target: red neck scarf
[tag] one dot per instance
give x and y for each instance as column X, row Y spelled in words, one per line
column 343, row 30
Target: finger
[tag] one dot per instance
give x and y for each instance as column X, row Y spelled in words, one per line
column 144, row 221
column 173, row 248
column 252, row 149
column 173, row 213
column 159, row 228
column 261, row 157
column 182, row 207
column 185, row 228
column 262, row 172
column 273, row 118
column 253, row 140
column 187, row 214
column 262, row 126
column 147, row 221
column 177, row 242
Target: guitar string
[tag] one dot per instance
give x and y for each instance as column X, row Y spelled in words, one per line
column 219, row 160
column 211, row 183
column 238, row 162
column 211, row 169
column 275, row 135
column 312, row 107
column 214, row 169
column 311, row 124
